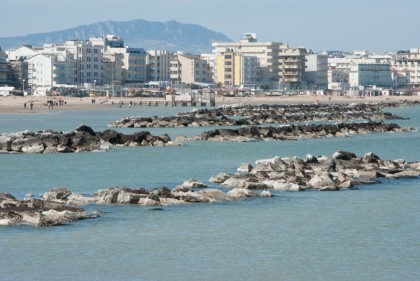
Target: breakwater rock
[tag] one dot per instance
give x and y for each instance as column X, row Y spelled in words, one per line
column 83, row 139
column 37, row 212
column 292, row 132
column 341, row 170
column 191, row 119
column 163, row 196
column 259, row 114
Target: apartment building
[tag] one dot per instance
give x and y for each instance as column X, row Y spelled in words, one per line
column 277, row 62
column 40, row 71
column 233, row 69
column 372, row 74
column 4, row 69
column 158, row 65
column 292, row 68
column 317, row 71
column 407, row 65
column 131, row 62
column 22, row 52
column 90, row 69
column 185, row 68
column 19, row 73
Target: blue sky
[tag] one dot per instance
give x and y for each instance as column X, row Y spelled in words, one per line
column 375, row 25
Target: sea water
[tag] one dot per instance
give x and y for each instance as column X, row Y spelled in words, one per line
column 366, row 234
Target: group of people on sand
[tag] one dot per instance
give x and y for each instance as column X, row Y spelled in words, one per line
column 31, row 104
column 52, row 103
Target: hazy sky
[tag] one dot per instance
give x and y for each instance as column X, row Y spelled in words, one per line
column 375, row 25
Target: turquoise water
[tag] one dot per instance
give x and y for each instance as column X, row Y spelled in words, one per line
column 365, row 234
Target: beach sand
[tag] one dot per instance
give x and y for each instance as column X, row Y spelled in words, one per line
column 15, row 104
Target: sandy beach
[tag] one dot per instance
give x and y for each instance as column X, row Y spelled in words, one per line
column 15, row 104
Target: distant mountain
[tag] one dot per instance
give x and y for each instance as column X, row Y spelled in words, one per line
column 171, row 35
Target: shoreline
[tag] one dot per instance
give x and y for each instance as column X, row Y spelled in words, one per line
column 15, row 104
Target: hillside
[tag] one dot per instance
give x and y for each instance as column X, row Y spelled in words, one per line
column 171, row 35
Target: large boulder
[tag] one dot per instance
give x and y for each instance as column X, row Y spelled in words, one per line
column 220, row 177
column 214, row 195
column 238, row 193
column 245, row 168
column 235, row 182
column 57, row 193
column 343, row 155
column 86, row 129
column 192, row 183
column 283, row 186
column 322, row 181
column 370, row 158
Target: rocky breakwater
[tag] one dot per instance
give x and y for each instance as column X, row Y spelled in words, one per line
column 260, row 114
column 37, row 212
column 292, row 132
column 83, row 139
column 278, row 113
column 341, row 170
column 190, row 119
column 190, row 191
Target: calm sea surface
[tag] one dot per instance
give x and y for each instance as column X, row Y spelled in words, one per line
column 367, row 234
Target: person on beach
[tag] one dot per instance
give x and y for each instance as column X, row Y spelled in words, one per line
column 31, row 105
column 24, row 105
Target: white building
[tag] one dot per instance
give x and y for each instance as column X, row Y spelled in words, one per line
column 158, row 65
column 277, row 62
column 317, row 70
column 40, row 71
column 373, row 74
column 189, row 69
column 408, row 64
column 22, row 52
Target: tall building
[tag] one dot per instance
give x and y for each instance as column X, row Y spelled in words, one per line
column 373, row 74
column 233, row 69
column 317, row 70
column 19, row 73
column 407, row 64
column 5, row 70
column 158, row 65
column 278, row 64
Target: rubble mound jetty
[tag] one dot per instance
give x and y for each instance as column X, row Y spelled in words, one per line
column 260, row 114
column 37, row 212
column 293, row 132
column 81, row 140
column 341, row 170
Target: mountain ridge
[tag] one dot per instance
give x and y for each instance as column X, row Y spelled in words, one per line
column 170, row 35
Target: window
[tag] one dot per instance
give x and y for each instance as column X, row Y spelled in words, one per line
column 95, row 51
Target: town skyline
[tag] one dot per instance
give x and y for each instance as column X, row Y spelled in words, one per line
column 377, row 26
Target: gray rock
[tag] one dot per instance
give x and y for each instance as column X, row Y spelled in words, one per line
column 238, row 193
column 322, row 181
column 220, row 177
column 192, row 183
column 245, row 168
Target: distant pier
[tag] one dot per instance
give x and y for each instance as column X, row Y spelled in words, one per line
column 203, row 100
